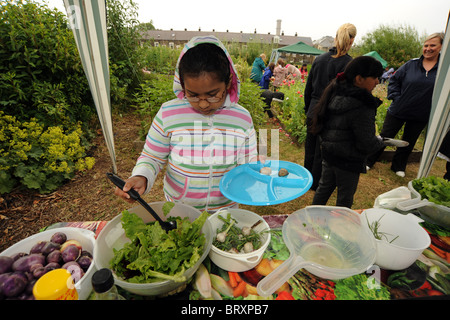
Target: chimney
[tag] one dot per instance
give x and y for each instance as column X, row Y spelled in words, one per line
column 278, row 33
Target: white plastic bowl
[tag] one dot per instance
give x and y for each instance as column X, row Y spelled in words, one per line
column 113, row 237
column 239, row 262
column 404, row 250
column 85, row 237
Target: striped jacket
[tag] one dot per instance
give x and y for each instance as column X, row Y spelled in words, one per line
column 197, row 149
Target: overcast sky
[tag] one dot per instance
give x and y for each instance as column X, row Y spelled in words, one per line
column 313, row 18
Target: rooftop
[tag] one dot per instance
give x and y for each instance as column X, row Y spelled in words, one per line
column 185, row 35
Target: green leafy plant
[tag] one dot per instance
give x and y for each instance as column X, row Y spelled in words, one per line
column 41, row 74
column 396, row 44
column 152, row 94
column 250, row 99
column 38, row 158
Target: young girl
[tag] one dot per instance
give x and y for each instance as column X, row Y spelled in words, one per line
column 344, row 119
column 201, row 135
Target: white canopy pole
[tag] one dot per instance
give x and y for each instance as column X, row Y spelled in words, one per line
column 87, row 19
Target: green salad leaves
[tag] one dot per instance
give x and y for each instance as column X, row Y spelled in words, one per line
column 434, row 189
column 154, row 255
column 357, row 288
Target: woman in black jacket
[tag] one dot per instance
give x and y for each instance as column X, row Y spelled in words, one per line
column 324, row 69
column 344, row 119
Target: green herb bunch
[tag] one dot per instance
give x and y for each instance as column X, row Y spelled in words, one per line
column 235, row 238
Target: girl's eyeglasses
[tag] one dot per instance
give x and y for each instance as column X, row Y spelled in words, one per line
column 209, row 99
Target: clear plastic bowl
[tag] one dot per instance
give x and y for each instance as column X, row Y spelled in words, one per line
column 113, row 237
column 86, row 239
column 330, row 242
column 239, row 262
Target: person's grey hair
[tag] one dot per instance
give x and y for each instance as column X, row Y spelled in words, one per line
column 439, row 35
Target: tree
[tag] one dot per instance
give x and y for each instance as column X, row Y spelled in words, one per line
column 396, row 45
column 147, row 26
column 123, row 43
column 41, row 74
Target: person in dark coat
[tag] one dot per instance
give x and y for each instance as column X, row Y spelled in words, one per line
column 344, row 119
column 411, row 91
column 324, row 68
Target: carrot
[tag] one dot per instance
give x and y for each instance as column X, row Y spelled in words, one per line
column 443, row 254
column 238, row 278
column 239, row 290
column 233, row 281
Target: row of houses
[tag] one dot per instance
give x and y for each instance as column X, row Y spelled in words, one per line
column 177, row 38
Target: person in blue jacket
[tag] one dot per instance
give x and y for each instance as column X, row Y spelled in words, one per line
column 268, row 73
column 258, row 68
column 411, row 91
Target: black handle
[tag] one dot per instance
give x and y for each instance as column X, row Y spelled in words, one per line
column 134, row 195
column 120, row 183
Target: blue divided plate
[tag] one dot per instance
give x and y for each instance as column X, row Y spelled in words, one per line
column 246, row 185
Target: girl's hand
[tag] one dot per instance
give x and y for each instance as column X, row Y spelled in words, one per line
column 138, row 183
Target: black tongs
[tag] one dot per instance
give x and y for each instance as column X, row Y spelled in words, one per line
column 166, row 225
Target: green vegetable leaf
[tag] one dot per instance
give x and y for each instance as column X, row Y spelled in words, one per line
column 156, row 255
column 357, row 288
column 132, row 224
column 167, row 207
column 434, row 189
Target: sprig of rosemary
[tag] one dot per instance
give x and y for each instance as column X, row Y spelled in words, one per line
column 374, row 227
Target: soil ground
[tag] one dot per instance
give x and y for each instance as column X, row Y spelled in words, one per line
column 89, row 195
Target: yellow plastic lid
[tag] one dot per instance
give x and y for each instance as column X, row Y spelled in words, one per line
column 57, row 284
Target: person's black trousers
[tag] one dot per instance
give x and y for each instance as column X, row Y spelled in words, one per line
column 332, row 177
column 411, row 133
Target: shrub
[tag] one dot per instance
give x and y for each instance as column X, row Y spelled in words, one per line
column 38, row 158
column 159, row 59
column 153, row 92
column 250, row 99
column 396, row 44
column 123, row 44
column 41, row 74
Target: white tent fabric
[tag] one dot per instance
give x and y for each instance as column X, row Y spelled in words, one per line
column 440, row 108
column 87, row 19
